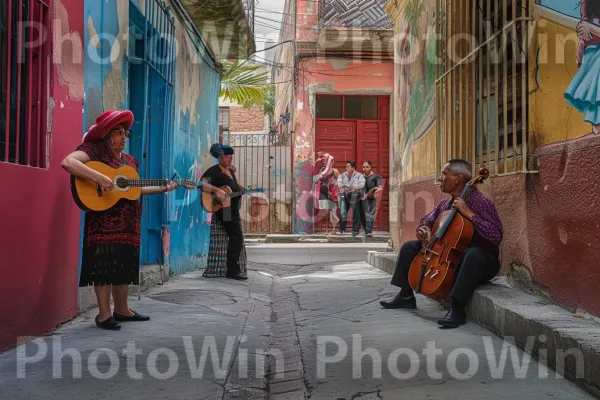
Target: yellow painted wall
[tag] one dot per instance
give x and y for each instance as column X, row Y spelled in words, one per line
column 551, row 118
column 421, row 158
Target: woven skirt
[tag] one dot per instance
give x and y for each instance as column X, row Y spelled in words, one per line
column 217, row 253
column 110, row 264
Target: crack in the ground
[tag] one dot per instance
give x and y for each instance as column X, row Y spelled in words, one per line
column 226, row 390
column 337, row 312
column 361, row 394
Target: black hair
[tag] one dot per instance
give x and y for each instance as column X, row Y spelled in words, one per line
column 352, row 163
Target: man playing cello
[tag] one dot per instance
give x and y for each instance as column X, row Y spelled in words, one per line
column 478, row 264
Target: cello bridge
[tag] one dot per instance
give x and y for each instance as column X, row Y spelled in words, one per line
column 434, row 275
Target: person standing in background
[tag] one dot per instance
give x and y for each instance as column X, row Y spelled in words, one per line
column 368, row 204
column 351, row 184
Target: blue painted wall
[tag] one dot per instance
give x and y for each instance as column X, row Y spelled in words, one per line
column 194, row 122
column 196, row 129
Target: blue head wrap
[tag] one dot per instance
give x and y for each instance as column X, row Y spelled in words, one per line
column 218, row 149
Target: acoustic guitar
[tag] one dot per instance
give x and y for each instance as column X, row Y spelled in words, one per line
column 89, row 196
column 211, row 204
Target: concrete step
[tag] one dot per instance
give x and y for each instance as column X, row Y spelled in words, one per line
column 345, row 238
column 570, row 342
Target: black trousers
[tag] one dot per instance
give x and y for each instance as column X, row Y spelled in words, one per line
column 475, row 267
column 233, row 227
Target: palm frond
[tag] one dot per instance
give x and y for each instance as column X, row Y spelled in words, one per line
column 242, row 83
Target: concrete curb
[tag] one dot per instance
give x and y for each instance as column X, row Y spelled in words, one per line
column 552, row 335
column 347, row 238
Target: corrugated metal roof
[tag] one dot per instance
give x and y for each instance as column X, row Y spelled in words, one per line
column 355, row 13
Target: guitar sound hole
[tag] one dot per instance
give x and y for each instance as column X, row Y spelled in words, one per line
column 122, row 183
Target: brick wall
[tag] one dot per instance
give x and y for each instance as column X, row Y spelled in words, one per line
column 246, row 120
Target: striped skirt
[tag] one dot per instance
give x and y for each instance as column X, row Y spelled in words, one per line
column 217, row 253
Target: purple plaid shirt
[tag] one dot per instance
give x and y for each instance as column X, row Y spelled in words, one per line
column 488, row 227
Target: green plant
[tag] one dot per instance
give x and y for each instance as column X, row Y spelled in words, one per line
column 243, row 84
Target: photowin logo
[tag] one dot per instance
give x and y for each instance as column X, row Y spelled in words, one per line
column 460, row 363
column 204, row 359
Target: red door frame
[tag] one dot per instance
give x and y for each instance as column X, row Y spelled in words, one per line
column 383, row 120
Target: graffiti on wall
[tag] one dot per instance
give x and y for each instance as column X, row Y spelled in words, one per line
column 416, row 75
column 583, row 93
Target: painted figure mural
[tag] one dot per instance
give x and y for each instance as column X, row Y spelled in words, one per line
column 583, row 93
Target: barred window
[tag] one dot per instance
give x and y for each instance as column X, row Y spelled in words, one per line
column 24, row 60
column 482, row 83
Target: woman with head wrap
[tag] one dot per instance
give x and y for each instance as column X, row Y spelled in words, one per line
column 326, row 189
column 216, row 263
column 214, row 179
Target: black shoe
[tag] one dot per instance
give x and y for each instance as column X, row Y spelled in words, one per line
column 238, row 277
column 110, row 324
column 409, row 303
column 134, row 317
column 454, row 318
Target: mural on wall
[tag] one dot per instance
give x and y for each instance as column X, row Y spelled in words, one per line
column 416, row 74
column 583, row 93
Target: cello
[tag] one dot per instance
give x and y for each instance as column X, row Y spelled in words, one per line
column 432, row 271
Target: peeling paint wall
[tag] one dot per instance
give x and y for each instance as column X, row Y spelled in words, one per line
column 40, row 239
column 106, row 40
column 195, row 119
column 197, row 90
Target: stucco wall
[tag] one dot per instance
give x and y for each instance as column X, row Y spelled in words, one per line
column 196, row 129
column 326, row 75
column 550, row 233
column 194, row 122
column 40, row 221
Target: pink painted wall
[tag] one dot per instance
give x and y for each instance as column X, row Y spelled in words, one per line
column 40, row 223
column 307, row 20
column 328, row 75
column 550, row 220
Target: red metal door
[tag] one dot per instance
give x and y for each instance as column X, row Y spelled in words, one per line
column 373, row 144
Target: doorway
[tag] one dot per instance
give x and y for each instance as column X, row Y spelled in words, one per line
column 356, row 128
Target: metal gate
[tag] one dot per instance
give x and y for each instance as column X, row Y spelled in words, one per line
column 263, row 161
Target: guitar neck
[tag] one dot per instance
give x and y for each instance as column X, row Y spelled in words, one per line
column 148, row 182
column 234, row 194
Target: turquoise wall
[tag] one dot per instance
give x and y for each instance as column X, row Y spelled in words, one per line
column 194, row 123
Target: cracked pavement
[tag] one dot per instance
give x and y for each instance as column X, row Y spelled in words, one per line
column 296, row 329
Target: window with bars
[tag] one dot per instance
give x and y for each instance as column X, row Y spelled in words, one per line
column 23, row 82
column 224, row 118
column 482, row 83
